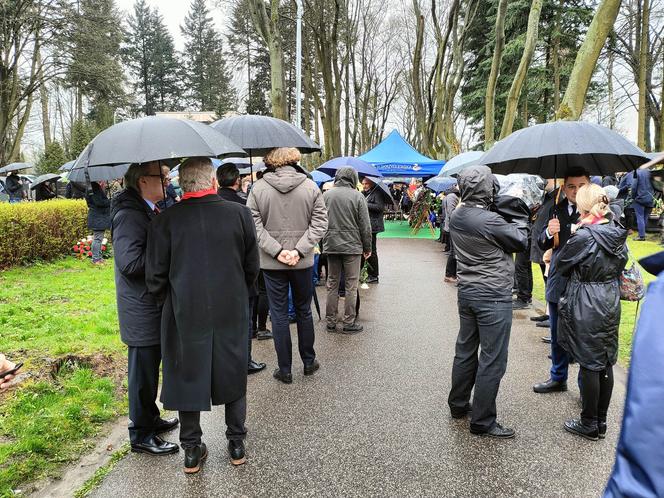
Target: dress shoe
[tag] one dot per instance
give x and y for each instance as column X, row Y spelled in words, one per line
column 497, row 431
column 311, row 367
column 576, row 426
column 193, row 458
column 236, row 452
column 518, row 304
column 546, row 324
column 540, row 318
column 353, row 328
column 155, row 446
column 372, row 280
column 601, row 429
column 255, row 366
column 264, row 335
column 331, row 328
column 166, row 425
column 462, row 413
column 550, row 386
column 286, row 378
column 546, row 340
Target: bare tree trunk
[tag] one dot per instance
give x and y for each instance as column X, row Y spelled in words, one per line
column 556, row 57
column 490, row 100
column 643, row 74
column 43, row 99
column 612, row 97
column 522, row 71
column 586, row 59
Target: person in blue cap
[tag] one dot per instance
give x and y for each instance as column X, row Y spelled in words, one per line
column 639, row 467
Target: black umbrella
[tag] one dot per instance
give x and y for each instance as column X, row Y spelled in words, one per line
column 67, row 166
column 98, row 173
column 382, row 188
column 15, row 167
column 549, row 149
column 44, row 178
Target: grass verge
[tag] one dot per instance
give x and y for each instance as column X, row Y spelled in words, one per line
column 102, row 472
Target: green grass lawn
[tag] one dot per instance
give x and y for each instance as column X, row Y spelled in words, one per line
column 50, row 311
column 401, row 230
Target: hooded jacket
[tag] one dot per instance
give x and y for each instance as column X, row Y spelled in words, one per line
column 289, row 214
column 138, row 312
column 642, row 190
column 349, row 226
column 589, row 309
column 14, row 187
column 484, row 240
column 99, row 208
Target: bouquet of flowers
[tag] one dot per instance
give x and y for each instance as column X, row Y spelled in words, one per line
column 83, row 248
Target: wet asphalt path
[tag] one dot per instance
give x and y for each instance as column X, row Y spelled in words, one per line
column 374, row 420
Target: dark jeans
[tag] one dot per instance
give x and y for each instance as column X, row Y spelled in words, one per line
column 484, row 326
column 142, row 386
column 451, row 266
column 523, row 270
column 236, row 414
column 596, row 390
column 559, row 357
column 98, row 237
column 372, row 261
column 301, row 284
column 642, row 213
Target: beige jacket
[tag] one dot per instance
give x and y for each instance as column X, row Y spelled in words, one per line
column 290, row 214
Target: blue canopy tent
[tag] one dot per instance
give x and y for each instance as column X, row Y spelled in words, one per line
column 396, row 157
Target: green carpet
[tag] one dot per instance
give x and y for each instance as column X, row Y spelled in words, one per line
column 401, row 230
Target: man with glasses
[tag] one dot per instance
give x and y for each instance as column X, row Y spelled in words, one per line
column 138, row 312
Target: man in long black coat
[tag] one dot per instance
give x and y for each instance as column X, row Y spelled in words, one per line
column 202, row 259
column 376, row 204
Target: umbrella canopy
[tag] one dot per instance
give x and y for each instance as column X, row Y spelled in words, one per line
column 441, row 184
column 460, row 162
column 245, row 166
column 15, row 167
column 44, row 178
column 67, row 166
column 259, row 134
column 384, row 189
column 549, row 149
column 362, row 167
column 156, row 138
column 319, row 177
column 98, row 173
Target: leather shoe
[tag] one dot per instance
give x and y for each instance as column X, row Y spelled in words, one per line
column 601, row 429
column 353, row 328
column 550, row 386
column 166, row 425
column 518, row 304
column 546, row 324
column 286, row 378
column 311, row 368
column 264, row 335
column 155, row 446
column 546, row 340
column 236, row 452
column 255, row 366
column 193, row 458
column 497, row 431
column 462, row 413
column 541, row 318
column 576, row 426
column 372, row 280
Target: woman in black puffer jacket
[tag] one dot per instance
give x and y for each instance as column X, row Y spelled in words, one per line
column 589, row 310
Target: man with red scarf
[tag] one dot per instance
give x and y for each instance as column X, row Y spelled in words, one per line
column 202, row 259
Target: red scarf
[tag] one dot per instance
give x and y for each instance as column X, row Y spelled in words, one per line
column 200, row 193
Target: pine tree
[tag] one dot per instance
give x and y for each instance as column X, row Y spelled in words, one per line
column 206, row 77
column 51, row 159
column 166, row 67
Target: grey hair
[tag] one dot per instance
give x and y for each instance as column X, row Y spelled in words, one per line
column 134, row 173
column 196, row 174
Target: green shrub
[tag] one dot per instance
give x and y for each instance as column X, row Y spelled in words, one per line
column 31, row 231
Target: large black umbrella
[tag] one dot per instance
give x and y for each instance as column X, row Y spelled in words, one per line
column 98, row 173
column 67, row 166
column 15, row 167
column 382, row 188
column 549, row 149
column 156, row 138
column 44, row 178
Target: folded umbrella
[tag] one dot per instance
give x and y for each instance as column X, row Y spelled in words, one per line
column 362, row 167
column 44, row 178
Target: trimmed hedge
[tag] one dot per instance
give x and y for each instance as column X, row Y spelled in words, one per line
column 31, row 231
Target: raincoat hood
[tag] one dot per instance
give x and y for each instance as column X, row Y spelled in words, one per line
column 609, row 237
column 285, row 178
column 346, row 177
column 478, row 186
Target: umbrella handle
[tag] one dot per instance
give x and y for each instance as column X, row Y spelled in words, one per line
column 556, row 237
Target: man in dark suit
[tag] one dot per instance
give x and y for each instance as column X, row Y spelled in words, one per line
column 228, row 177
column 561, row 218
column 202, row 260
column 132, row 211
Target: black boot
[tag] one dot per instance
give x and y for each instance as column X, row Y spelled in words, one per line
column 601, row 428
column 193, row 457
column 586, row 431
column 236, row 452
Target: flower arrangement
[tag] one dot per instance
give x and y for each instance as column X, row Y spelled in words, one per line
column 83, row 248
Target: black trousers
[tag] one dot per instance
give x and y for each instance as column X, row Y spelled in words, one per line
column 142, row 386
column 236, row 414
column 485, row 329
column 372, row 261
column 451, row 266
column 259, row 306
column 523, row 272
column 596, row 389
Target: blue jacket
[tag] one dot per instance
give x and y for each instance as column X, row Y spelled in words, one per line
column 639, row 467
column 642, row 191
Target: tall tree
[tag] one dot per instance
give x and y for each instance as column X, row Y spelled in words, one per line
column 644, row 59
column 490, row 100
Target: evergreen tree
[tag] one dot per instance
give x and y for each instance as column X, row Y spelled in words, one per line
column 166, row 68
column 51, row 159
column 82, row 132
column 206, row 77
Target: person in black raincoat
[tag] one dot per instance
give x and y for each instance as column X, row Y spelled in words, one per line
column 589, row 309
column 376, row 204
column 202, row 258
column 99, row 217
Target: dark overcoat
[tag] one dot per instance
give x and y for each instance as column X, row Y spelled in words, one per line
column 99, row 208
column 202, row 257
column 589, row 310
column 376, row 205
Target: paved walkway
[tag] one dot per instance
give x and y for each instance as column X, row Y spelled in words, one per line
column 374, row 420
